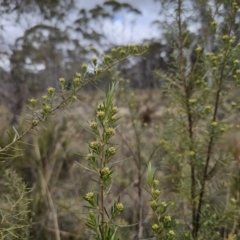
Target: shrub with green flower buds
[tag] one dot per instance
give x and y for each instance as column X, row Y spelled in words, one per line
column 163, row 223
column 101, row 152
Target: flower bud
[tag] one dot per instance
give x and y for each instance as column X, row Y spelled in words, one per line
column 89, row 196
column 100, row 114
column 99, row 70
column 93, row 125
column 47, row 109
column 199, row 50
column 107, row 59
column 62, row 82
column 145, row 47
column 122, row 53
column 225, row 38
column 32, row 101
column 119, row 207
column 76, row 82
column 114, row 51
column 51, row 91
column 111, row 150
column 214, row 124
column 94, row 61
column 84, row 68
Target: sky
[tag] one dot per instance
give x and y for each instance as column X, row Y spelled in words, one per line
column 125, row 28
column 129, row 28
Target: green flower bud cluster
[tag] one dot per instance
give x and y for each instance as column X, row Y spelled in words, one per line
column 163, row 223
column 51, row 91
column 32, row 102
column 62, row 82
column 101, row 152
column 84, row 68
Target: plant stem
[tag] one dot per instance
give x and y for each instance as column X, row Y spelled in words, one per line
column 211, row 142
column 189, row 113
column 102, row 194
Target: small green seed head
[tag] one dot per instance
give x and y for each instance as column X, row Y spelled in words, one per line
column 145, row 47
column 191, row 153
column 115, row 110
column 171, row 232
column 236, row 62
column 90, row 156
column 45, row 98
column 135, row 50
column 208, row 108
column 235, row 6
column 192, row 100
column 114, row 51
column 163, row 204
column 110, row 131
column 214, row 124
column 155, row 182
column 93, row 125
column 35, row 122
column 33, row 102
column 84, row 68
column 213, row 24
column 78, row 75
column 155, row 226
column 233, row 104
column 105, row 172
column 199, row 49
column 47, row 109
column 111, row 150
column 99, row 70
column 100, row 106
column 89, row 196
column 209, row 54
column 76, row 82
column 51, row 90
column 62, row 80
column 94, row 144
column 122, row 53
column 153, row 204
column 113, row 118
column 225, row 38
column 74, row 98
column 94, row 61
column 107, row 59
column 156, row 192
column 100, row 114
column 119, row 207
column 167, row 218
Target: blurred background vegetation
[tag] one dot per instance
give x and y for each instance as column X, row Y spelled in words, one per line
column 54, row 38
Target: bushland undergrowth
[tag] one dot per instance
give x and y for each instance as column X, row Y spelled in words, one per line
column 193, row 193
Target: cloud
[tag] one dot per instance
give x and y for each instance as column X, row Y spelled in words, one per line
column 131, row 28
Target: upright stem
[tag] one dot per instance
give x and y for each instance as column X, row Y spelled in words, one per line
column 203, row 183
column 189, row 113
column 102, row 195
column 138, row 162
column 139, row 188
column 210, row 147
column 102, row 209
